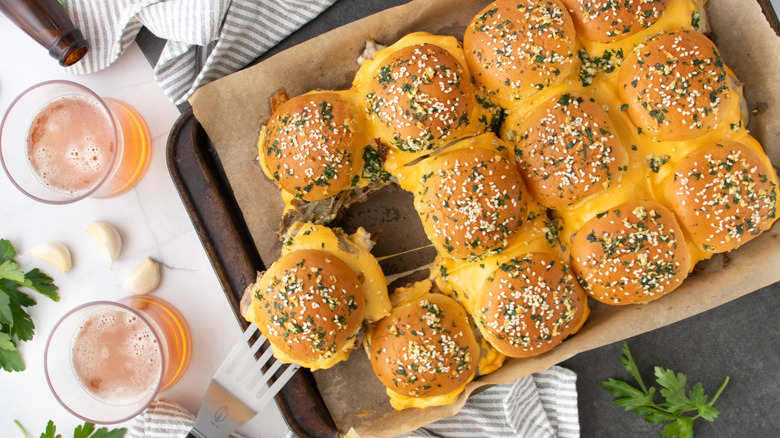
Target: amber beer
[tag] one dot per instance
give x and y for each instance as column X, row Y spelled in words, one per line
column 106, row 361
column 72, row 142
column 174, row 331
column 60, row 142
column 136, row 152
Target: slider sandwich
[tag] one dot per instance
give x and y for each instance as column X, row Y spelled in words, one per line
column 515, row 48
column 425, row 351
column 632, row 253
column 317, row 150
column 312, row 302
column 675, row 87
column 471, row 198
column 418, row 95
column 566, row 148
column 313, row 145
column 724, row 194
column 530, row 304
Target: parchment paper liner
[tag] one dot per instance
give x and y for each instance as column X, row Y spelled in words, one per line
column 232, row 110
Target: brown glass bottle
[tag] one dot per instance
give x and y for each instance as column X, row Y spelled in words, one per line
column 49, row 24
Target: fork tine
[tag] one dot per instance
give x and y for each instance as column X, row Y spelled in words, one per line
column 236, row 353
column 248, row 362
column 246, row 353
column 277, row 386
column 265, row 376
column 256, row 373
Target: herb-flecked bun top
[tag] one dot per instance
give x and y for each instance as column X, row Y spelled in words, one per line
column 632, row 253
column 313, row 144
column 530, row 304
column 517, row 47
column 610, row 20
column 676, row 86
column 424, row 348
column 567, row 149
column 724, row 195
column 310, row 306
column 472, row 199
column 418, row 93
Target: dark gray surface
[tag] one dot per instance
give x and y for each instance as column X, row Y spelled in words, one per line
column 740, row 339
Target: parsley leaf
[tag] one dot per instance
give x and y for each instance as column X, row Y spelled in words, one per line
column 10, row 360
column 678, row 410
column 87, row 430
column 50, row 431
column 15, row 323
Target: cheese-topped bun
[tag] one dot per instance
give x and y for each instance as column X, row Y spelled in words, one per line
column 471, row 198
column 354, row 250
column 724, row 195
column 424, row 352
column 517, row 47
column 609, row 20
column 418, row 93
column 310, row 306
column 632, row 253
column 567, row 149
column 675, row 86
column 313, row 144
column 530, row 305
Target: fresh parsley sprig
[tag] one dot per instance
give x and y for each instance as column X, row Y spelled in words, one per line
column 15, row 323
column 87, row 430
column 678, row 410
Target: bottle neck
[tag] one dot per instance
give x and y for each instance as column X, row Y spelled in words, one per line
column 69, row 48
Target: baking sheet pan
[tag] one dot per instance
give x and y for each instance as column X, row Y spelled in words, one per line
column 195, row 167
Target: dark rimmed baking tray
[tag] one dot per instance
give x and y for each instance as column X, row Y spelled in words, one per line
column 205, row 191
column 209, row 201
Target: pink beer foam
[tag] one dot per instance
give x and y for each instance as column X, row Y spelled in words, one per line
column 70, row 144
column 116, row 357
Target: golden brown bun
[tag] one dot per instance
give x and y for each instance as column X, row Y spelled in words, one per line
column 514, row 48
column 425, row 348
column 311, row 143
column 472, row 202
column 421, row 94
column 632, row 253
column 310, row 306
column 608, row 20
column 724, row 195
column 530, row 305
column 567, row 149
column 675, row 86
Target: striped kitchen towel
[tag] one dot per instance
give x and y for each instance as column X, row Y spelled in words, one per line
column 205, row 39
column 164, row 419
column 542, row 405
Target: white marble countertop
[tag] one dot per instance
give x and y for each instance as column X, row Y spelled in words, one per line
column 152, row 222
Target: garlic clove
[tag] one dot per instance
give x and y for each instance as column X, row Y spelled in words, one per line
column 142, row 279
column 106, row 237
column 53, row 253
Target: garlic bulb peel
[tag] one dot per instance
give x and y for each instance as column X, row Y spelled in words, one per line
column 107, row 239
column 53, row 253
column 142, row 279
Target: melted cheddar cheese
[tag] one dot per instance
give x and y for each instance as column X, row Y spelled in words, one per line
column 400, row 402
column 479, row 119
column 650, row 165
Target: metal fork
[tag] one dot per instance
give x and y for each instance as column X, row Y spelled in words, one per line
column 238, row 390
